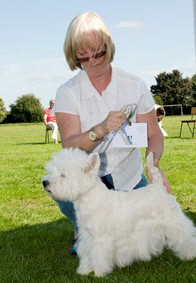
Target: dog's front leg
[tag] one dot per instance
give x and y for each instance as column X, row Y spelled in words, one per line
column 102, row 258
column 85, row 266
column 83, row 250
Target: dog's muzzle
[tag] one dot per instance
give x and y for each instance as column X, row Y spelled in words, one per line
column 45, row 185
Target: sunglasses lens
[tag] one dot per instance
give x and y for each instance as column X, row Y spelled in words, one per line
column 100, row 54
column 83, row 60
column 96, row 56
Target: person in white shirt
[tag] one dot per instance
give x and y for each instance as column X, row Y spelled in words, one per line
column 90, row 107
column 160, row 111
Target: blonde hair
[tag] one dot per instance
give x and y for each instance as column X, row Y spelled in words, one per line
column 77, row 38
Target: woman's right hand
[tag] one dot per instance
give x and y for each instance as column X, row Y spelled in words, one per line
column 112, row 123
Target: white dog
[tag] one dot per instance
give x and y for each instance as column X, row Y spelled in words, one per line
column 117, row 228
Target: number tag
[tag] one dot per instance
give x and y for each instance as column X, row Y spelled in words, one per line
column 131, row 136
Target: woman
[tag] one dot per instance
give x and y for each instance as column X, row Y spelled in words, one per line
column 50, row 121
column 89, row 107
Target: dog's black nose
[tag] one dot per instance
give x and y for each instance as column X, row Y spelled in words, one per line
column 45, row 183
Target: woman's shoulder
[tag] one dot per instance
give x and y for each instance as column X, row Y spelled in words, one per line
column 47, row 111
column 125, row 75
column 70, row 84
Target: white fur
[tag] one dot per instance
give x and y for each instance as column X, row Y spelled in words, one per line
column 117, row 228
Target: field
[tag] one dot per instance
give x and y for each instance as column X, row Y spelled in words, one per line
column 35, row 236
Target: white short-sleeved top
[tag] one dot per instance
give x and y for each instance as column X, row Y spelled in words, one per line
column 78, row 96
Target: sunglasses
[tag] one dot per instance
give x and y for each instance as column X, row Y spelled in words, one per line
column 95, row 56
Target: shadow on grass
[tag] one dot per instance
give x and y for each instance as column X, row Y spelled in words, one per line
column 35, row 253
column 39, row 253
column 191, row 215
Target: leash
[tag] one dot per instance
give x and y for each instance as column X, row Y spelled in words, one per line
column 129, row 111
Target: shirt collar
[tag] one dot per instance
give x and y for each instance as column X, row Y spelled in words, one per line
column 88, row 88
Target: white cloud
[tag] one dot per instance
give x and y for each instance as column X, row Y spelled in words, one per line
column 130, row 25
column 41, row 77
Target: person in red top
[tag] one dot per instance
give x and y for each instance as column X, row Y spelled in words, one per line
column 50, row 121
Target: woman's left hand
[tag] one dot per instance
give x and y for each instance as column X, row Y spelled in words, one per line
column 164, row 178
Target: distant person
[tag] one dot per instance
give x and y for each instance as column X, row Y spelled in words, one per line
column 50, row 121
column 160, row 111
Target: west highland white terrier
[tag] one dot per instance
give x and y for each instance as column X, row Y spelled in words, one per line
column 117, row 228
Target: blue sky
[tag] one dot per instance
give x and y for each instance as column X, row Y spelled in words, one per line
column 151, row 36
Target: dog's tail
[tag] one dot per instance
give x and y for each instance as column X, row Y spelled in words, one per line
column 154, row 171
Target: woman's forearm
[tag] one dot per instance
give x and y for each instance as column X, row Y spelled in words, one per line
column 82, row 140
column 156, row 145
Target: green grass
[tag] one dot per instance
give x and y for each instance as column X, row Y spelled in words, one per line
column 35, row 237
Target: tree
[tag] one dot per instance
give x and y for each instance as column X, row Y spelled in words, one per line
column 27, row 109
column 2, row 110
column 173, row 89
column 193, row 81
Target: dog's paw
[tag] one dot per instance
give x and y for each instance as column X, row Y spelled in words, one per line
column 188, row 256
column 100, row 274
column 83, row 271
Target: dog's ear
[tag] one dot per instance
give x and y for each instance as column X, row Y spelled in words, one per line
column 93, row 163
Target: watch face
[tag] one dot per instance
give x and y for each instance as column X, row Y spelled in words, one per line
column 92, row 136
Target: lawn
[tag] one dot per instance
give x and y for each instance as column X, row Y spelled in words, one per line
column 35, row 237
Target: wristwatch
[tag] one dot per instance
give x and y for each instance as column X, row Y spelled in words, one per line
column 92, row 135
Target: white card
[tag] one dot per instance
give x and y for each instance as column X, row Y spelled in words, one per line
column 131, row 136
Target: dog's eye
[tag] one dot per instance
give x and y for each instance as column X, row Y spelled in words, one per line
column 63, row 175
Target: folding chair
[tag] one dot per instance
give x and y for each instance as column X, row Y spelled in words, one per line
column 47, row 135
column 189, row 122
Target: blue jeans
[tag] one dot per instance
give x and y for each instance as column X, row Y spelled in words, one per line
column 67, row 207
